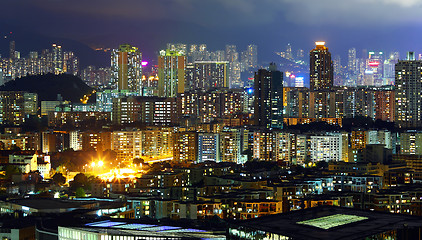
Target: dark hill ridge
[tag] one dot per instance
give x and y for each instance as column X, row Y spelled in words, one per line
column 47, row 86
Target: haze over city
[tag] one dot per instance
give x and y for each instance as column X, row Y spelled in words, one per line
column 210, row 119
column 380, row 25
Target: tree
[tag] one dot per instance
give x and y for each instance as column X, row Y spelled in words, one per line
column 80, row 193
column 11, row 170
column 35, row 176
column 138, row 161
column 322, row 165
column 59, row 179
column 248, row 152
column 80, row 180
column 15, row 148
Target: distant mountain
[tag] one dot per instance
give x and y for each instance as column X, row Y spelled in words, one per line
column 26, row 41
column 47, row 86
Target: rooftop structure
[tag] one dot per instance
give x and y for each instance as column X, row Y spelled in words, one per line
column 329, row 222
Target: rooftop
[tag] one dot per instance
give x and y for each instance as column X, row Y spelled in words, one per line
column 46, row 203
column 327, row 222
column 136, row 228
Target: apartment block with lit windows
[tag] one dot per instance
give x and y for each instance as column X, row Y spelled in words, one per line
column 127, row 144
column 157, row 141
column 16, row 105
column 185, row 147
column 408, row 93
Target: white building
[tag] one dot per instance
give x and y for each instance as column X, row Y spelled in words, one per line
column 327, row 148
column 29, row 159
column 75, row 140
column 379, row 137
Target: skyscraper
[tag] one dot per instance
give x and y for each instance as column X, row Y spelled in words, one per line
column 408, row 97
column 57, row 59
column 126, row 68
column 337, row 70
column 234, row 66
column 351, row 64
column 178, row 47
column 171, row 73
column 289, row 51
column 12, row 50
column 374, row 69
column 209, row 74
column 300, row 54
column 70, row 63
column 268, row 89
column 321, row 68
column 249, row 58
column 252, row 51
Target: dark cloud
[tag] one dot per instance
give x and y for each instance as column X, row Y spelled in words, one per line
column 271, row 24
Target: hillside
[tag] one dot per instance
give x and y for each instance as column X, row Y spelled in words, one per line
column 49, row 85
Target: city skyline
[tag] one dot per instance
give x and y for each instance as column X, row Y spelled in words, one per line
column 180, row 119
column 378, row 25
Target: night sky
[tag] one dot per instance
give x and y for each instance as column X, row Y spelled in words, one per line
column 388, row 25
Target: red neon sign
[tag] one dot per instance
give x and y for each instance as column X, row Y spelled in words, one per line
column 373, row 64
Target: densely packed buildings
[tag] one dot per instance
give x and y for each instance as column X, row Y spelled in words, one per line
column 194, row 141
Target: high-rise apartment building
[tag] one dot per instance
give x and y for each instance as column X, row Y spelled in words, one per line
column 126, row 68
column 232, row 57
column 127, row 144
column 100, row 141
column 210, row 105
column 374, row 69
column 321, row 68
column 289, row 54
column 351, row 64
column 384, row 109
column 12, row 51
column 230, row 147
column 268, row 89
column 408, row 93
column 249, row 58
column 411, row 142
column 178, row 47
column 208, row 147
column 296, row 102
column 252, row 51
column 57, row 58
column 263, row 145
column 185, row 147
column 171, row 73
column 157, row 141
column 16, row 105
column 70, row 63
column 327, row 147
column 322, row 104
column 208, row 74
column 30, row 104
column 149, row 110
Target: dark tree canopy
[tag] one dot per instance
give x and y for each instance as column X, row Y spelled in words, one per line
column 79, row 181
column 59, row 179
column 80, row 192
column 47, row 86
column 11, row 170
